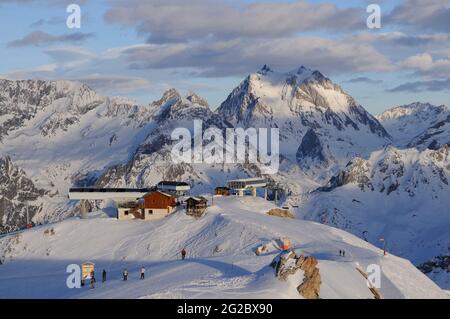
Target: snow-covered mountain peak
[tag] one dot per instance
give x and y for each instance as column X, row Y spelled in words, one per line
column 47, row 106
column 173, row 105
column 272, row 95
column 302, row 69
column 24, row 93
column 295, row 78
column 305, row 74
column 417, row 124
column 265, row 70
column 319, row 123
column 196, row 100
column 170, row 95
column 419, row 110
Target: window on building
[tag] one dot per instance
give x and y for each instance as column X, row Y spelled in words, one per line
column 126, row 212
column 150, row 212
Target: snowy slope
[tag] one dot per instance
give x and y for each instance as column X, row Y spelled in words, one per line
column 398, row 195
column 221, row 261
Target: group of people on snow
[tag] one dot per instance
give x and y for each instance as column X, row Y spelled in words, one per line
column 342, row 253
column 125, row 272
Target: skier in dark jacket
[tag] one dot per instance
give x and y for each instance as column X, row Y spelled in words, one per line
column 92, row 280
column 125, row 274
column 103, row 275
column 183, row 254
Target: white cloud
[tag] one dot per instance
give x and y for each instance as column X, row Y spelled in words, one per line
column 40, row 38
column 422, row 14
column 397, row 38
column 164, row 20
column 113, row 83
column 425, row 65
column 241, row 56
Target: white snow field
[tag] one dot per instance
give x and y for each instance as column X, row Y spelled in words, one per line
column 221, row 261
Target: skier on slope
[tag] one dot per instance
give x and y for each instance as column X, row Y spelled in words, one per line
column 142, row 273
column 92, row 279
column 183, row 254
column 103, row 275
column 125, row 274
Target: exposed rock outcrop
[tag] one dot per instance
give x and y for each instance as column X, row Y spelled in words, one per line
column 18, row 194
column 311, row 148
column 310, row 287
column 288, row 263
column 280, row 213
column 438, row 269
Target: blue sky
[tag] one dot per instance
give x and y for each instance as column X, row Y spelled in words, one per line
column 139, row 48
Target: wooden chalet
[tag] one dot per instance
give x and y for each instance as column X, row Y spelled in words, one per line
column 196, row 206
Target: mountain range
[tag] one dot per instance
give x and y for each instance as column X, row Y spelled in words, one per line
column 384, row 176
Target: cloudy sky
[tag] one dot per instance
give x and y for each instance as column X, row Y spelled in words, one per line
column 139, row 48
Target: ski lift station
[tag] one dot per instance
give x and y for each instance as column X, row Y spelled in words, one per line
column 176, row 188
column 124, row 196
column 119, row 195
column 241, row 185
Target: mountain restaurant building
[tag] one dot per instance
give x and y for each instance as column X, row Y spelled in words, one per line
column 153, row 206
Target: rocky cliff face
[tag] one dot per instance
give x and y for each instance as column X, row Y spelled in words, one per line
column 438, row 269
column 392, row 169
column 17, row 195
column 63, row 101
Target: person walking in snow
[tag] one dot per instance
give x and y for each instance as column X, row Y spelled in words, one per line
column 142, row 273
column 103, row 275
column 183, row 254
column 340, row 252
column 125, row 274
column 92, row 280
column 343, row 253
